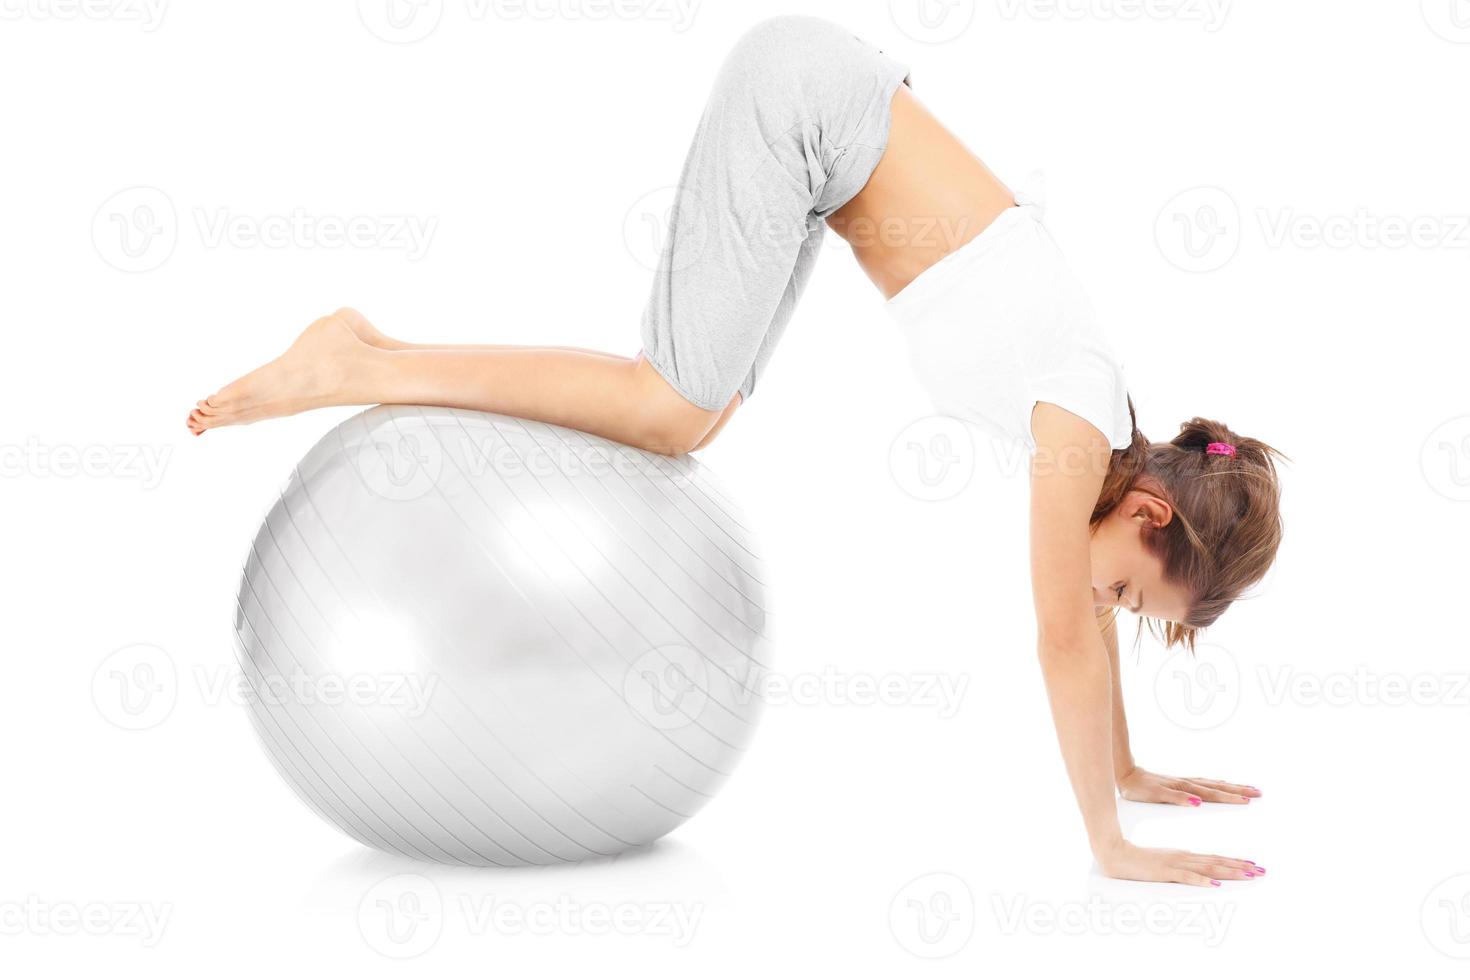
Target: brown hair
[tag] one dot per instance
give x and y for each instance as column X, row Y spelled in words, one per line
column 1227, row 515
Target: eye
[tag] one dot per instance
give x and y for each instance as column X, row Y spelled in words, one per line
column 1119, row 589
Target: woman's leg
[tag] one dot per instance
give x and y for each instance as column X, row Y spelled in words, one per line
column 365, row 331
column 791, row 131
column 620, row 398
column 369, row 334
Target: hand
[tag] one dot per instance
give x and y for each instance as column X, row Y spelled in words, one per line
column 1125, row 860
column 1142, row 786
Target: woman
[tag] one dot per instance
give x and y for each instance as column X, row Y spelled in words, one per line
column 810, row 127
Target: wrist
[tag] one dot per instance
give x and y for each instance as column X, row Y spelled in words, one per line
column 1123, row 770
column 1105, row 845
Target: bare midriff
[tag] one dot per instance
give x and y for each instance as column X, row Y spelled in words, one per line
column 927, row 197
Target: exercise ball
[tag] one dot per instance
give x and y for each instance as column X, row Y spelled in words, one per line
column 475, row 639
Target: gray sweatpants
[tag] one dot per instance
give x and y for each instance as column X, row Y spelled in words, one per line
column 797, row 121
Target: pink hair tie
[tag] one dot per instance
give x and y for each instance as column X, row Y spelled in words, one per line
column 1220, row 449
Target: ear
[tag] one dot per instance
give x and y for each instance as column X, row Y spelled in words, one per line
column 1145, row 509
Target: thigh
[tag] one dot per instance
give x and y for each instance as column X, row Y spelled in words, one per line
column 791, row 130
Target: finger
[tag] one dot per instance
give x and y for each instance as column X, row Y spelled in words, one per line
column 1223, row 870
column 1159, row 794
column 1238, row 863
column 1186, row 877
column 1239, row 789
column 1212, row 794
column 1180, row 797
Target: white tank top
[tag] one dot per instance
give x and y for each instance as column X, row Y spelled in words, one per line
column 1001, row 323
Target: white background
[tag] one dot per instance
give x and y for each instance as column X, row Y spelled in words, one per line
column 899, row 838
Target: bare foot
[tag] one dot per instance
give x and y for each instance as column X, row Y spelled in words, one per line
column 313, row 373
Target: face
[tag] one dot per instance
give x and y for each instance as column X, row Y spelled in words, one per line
column 1124, row 572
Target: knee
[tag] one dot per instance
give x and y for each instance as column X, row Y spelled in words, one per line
column 665, row 421
column 779, row 40
column 780, row 26
column 665, row 436
column 672, row 430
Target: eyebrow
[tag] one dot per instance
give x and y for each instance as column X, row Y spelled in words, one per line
column 1139, row 605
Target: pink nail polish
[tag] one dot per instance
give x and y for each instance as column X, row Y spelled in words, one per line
column 1249, row 874
column 1260, row 870
column 1194, row 801
column 1214, row 882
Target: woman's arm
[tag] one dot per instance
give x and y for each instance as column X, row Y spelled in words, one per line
column 1137, row 784
column 1123, row 764
column 1067, row 472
